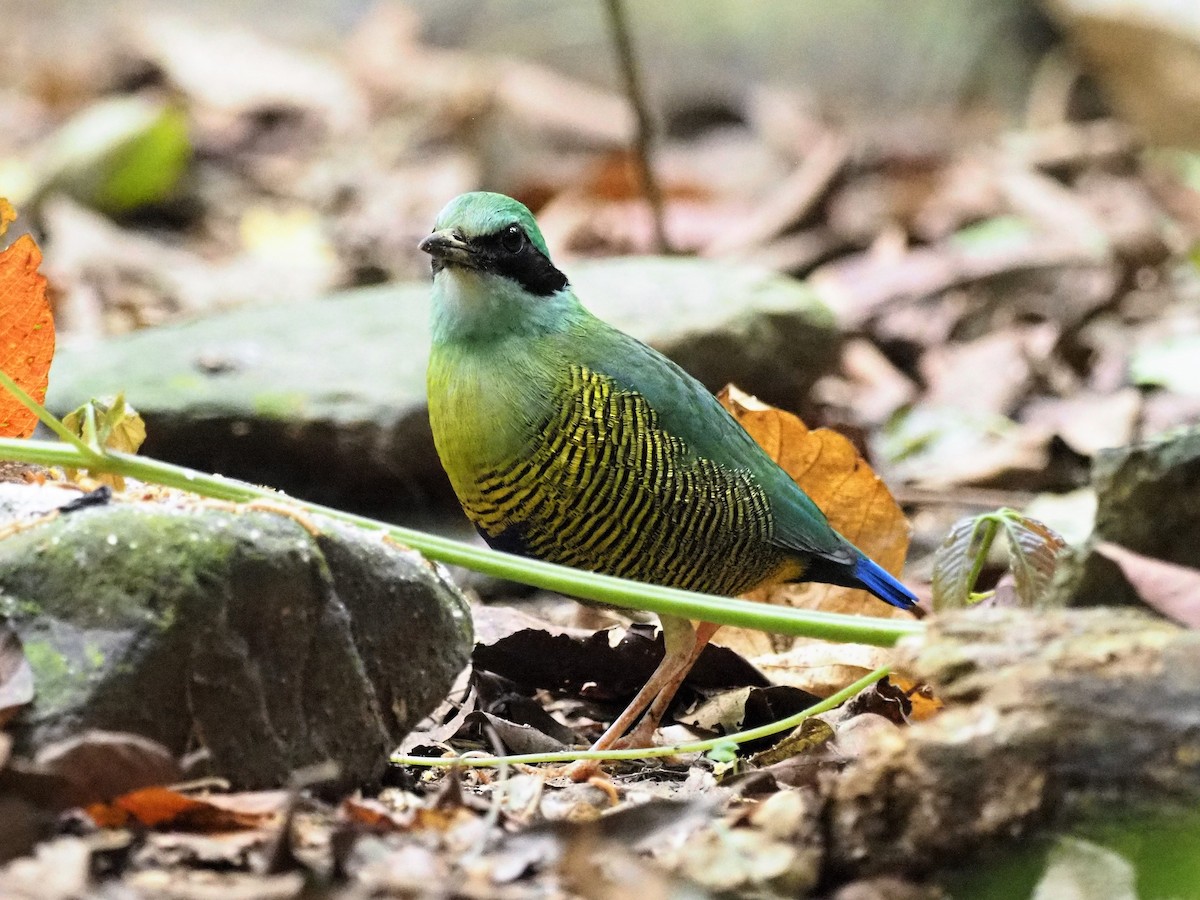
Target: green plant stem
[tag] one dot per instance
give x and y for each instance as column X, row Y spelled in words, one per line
column 991, row 526
column 587, row 585
column 48, row 419
column 833, row 701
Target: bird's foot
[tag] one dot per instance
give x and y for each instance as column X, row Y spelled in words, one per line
column 584, row 770
column 641, row 737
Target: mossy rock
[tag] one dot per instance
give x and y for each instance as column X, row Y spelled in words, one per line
column 201, row 625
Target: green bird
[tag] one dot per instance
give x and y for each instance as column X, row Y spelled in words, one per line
column 569, row 441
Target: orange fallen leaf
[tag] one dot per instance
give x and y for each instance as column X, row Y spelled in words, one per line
column 854, row 499
column 371, row 814
column 924, row 702
column 859, row 506
column 26, row 329
column 157, row 807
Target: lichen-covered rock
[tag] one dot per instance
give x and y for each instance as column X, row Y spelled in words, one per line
column 206, row 626
column 1148, row 500
column 1052, row 718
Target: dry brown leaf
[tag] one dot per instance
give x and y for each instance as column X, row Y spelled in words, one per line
column 97, row 766
column 860, row 507
column 16, row 676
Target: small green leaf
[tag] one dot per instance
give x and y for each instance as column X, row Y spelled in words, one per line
column 107, row 425
column 119, row 155
column 952, row 564
column 1034, row 549
column 725, row 752
column 121, row 427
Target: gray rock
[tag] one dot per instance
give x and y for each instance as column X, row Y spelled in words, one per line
column 326, row 398
column 238, row 631
column 1148, row 500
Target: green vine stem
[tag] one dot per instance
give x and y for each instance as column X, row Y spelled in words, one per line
column 75, row 454
column 48, row 418
column 831, row 702
column 991, row 527
column 587, row 585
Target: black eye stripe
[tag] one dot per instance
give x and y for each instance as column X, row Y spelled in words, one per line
column 527, row 265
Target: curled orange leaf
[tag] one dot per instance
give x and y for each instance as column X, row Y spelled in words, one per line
column 857, row 503
column 26, row 329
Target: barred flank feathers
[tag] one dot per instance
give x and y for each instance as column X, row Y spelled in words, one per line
column 603, row 487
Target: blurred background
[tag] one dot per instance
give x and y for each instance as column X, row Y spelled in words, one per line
column 987, row 212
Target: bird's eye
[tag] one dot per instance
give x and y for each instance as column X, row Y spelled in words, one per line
column 513, row 239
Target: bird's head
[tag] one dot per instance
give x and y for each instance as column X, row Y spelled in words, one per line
column 492, row 273
column 494, row 235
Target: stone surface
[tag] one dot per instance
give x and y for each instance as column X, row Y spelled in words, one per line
column 1148, row 500
column 1051, row 718
column 326, row 398
column 198, row 625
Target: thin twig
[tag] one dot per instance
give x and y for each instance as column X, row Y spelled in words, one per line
column 644, row 138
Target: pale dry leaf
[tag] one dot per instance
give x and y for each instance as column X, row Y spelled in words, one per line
column 1167, row 587
column 1089, row 421
column 16, row 676
column 820, row 667
column 991, row 374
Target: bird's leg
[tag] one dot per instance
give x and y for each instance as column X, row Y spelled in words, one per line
column 643, row 734
column 679, row 640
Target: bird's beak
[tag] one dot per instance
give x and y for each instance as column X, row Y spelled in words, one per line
column 448, row 247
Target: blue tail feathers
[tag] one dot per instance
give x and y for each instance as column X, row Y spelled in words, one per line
column 882, row 585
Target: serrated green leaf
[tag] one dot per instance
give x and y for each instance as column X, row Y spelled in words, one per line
column 1034, row 549
column 952, row 566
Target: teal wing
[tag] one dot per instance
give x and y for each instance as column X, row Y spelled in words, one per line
column 687, row 410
